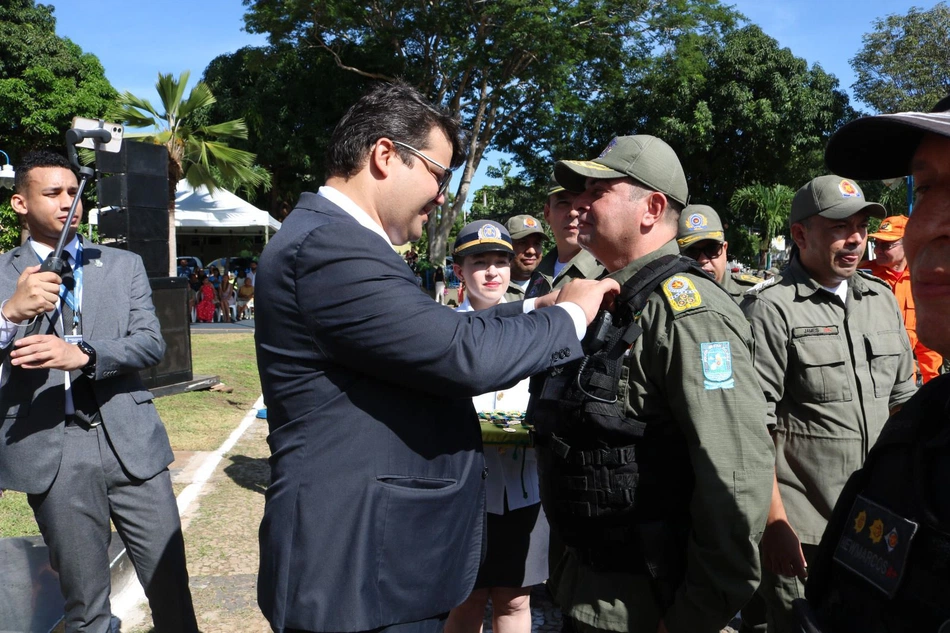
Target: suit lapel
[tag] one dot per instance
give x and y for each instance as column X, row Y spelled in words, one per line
column 93, row 272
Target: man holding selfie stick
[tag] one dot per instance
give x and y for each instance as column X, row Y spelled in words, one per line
column 79, row 433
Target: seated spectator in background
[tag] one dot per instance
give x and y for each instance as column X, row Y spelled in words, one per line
column 207, row 300
column 184, row 270
column 252, row 273
column 227, row 297
column 214, row 275
column 890, row 264
column 245, row 294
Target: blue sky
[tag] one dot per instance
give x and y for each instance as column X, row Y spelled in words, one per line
column 139, row 40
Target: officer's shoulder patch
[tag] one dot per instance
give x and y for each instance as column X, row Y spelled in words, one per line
column 759, row 287
column 681, row 293
column 745, row 278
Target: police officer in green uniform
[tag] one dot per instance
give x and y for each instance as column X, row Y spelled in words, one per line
column 567, row 260
column 883, row 564
column 833, row 359
column 654, row 459
column 701, row 237
column 527, row 237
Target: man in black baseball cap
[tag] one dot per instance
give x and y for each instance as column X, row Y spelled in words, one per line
column 883, row 563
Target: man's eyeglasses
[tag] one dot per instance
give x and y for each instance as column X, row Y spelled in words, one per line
column 446, row 176
column 884, row 245
column 710, row 249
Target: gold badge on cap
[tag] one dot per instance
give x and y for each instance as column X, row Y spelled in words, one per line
column 696, row 222
column 489, row 232
column 530, row 223
column 848, row 189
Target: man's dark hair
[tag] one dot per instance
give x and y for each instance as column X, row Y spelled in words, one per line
column 33, row 160
column 395, row 111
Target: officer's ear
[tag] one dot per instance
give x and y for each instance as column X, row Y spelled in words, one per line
column 656, row 209
column 798, row 231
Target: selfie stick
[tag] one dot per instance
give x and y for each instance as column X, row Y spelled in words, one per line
column 54, row 262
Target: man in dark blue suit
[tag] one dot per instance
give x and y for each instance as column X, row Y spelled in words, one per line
column 375, row 511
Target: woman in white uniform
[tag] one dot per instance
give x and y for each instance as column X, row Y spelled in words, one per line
column 517, row 531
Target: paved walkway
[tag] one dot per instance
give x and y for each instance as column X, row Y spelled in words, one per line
column 221, row 541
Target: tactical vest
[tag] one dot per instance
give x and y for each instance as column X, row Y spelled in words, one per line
column 895, row 578
column 613, row 487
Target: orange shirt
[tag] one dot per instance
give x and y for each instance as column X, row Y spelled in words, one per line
column 899, row 282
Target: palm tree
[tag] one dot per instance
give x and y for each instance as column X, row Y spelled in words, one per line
column 194, row 151
column 770, row 206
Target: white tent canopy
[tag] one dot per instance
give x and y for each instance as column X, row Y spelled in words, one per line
column 198, row 212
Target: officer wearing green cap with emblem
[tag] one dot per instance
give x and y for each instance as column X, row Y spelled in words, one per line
column 654, row 459
column 527, row 237
column 701, row 237
column 834, row 360
column 883, row 564
column 567, row 260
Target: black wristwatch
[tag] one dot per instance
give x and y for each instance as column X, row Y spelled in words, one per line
column 89, row 369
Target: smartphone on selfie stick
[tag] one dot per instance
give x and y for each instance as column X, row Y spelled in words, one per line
column 92, row 134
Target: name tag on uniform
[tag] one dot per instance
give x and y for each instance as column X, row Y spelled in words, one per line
column 875, row 544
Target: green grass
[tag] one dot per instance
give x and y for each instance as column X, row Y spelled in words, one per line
column 16, row 517
column 202, row 420
column 197, row 421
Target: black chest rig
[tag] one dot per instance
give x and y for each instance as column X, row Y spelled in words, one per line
column 614, row 487
column 901, row 581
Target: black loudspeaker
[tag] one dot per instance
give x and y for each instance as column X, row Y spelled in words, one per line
column 143, row 231
column 146, row 159
column 137, row 198
column 170, row 297
column 134, row 190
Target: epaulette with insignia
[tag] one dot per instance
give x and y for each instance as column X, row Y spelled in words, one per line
column 763, row 285
column 745, row 278
column 681, row 293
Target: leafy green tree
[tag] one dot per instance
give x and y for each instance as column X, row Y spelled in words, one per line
column 45, row 81
column 769, row 206
column 737, row 109
column 291, row 98
column 195, row 152
column 904, row 63
column 506, row 67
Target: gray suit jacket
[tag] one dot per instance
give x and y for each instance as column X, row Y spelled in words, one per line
column 119, row 321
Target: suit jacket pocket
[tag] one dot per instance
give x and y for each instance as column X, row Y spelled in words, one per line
column 142, row 396
column 429, row 543
column 415, row 483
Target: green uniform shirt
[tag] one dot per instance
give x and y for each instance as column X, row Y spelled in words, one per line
column 719, row 407
column 736, row 284
column 514, row 293
column 581, row 266
column 830, row 374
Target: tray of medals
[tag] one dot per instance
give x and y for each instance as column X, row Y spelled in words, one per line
column 505, row 428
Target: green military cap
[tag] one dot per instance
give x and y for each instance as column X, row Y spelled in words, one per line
column 882, row 146
column 482, row 236
column 699, row 222
column 831, row 197
column 520, row 226
column 645, row 158
column 554, row 186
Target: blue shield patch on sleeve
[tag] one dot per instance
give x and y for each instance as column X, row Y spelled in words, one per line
column 717, row 365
